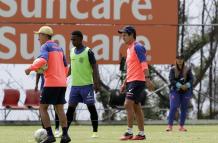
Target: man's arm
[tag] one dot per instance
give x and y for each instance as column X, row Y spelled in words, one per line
column 141, row 54
column 96, row 77
column 148, row 82
column 37, row 81
column 42, row 60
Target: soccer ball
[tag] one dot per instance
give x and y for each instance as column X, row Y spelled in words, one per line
column 41, row 69
column 40, row 135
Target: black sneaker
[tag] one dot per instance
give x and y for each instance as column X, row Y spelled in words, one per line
column 49, row 139
column 65, row 139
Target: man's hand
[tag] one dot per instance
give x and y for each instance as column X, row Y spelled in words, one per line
column 27, row 71
column 122, row 88
column 96, row 87
column 149, row 85
column 36, row 88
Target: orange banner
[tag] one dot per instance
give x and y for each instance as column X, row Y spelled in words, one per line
column 90, row 11
column 19, row 45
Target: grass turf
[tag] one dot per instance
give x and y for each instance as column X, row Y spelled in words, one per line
column 111, row 134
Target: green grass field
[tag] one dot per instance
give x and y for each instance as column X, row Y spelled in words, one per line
column 111, row 134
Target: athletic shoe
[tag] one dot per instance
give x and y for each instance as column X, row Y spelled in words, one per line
column 65, row 139
column 94, row 135
column 57, row 134
column 169, row 128
column 139, row 137
column 49, row 139
column 126, row 136
column 182, row 129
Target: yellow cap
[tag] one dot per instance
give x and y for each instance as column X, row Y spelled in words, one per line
column 45, row 30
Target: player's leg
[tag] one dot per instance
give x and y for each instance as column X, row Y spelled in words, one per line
column 59, row 106
column 45, row 100
column 87, row 94
column 129, row 106
column 70, row 113
column 74, row 99
column 56, row 121
column 45, row 118
column 185, row 98
column 138, row 88
column 174, row 104
column 57, row 131
column 140, row 122
column 94, row 119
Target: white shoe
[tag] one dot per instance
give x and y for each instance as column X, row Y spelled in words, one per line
column 94, row 135
column 58, row 134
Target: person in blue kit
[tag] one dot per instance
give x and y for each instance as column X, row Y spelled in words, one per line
column 84, row 80
column 181, row 81
column 57, row 131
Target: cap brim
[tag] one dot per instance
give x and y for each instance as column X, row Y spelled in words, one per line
column 121, row 31
column 36, row 32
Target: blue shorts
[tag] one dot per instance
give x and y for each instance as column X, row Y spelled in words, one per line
column 82, row 94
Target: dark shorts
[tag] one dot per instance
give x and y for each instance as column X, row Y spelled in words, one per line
column 53, row 95
column 134, row 90
column 82, row 94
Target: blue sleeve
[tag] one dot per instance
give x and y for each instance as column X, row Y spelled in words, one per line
column 44, row 52
column 140, row 52
column 172, row 79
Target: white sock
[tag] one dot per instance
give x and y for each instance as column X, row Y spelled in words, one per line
column 129, row 130
column 141, row 133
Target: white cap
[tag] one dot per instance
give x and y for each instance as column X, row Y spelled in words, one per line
column 45, row 30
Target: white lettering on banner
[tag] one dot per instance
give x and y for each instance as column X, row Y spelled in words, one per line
column 36, row 45
column 104, row 46
column 136, row 7
column 49, row 8
column 105, row 13
column 36, row 12
column 63, row 9
column 11, row 10
column 75, row 12
column 7, row 43
column 24, row 48
column 102, row 10
column 117, row 8
column 117, row 42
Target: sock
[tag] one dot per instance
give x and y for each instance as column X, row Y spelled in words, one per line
column 64, row 130
column 141, row 133
column 49, row 131
column 129, row 130
column 56, row 121
column 70, row 112
column 94, row 117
